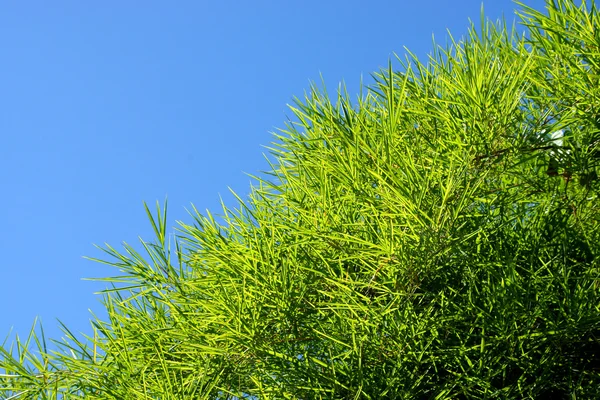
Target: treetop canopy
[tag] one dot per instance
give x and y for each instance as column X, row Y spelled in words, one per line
column 437, row 238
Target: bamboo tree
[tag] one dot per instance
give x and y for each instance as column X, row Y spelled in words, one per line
column 437, row 238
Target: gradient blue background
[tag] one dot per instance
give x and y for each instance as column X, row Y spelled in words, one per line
column 107, row 104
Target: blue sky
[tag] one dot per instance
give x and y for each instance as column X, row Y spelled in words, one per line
column 107, row 104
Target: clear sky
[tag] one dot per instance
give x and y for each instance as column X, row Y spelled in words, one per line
column 107, row 104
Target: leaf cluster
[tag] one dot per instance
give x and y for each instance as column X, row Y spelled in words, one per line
column 435, row 239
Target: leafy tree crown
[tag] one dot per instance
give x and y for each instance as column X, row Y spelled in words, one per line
column 435, row 239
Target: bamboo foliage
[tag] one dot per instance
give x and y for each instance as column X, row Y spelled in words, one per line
column 434, row 239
